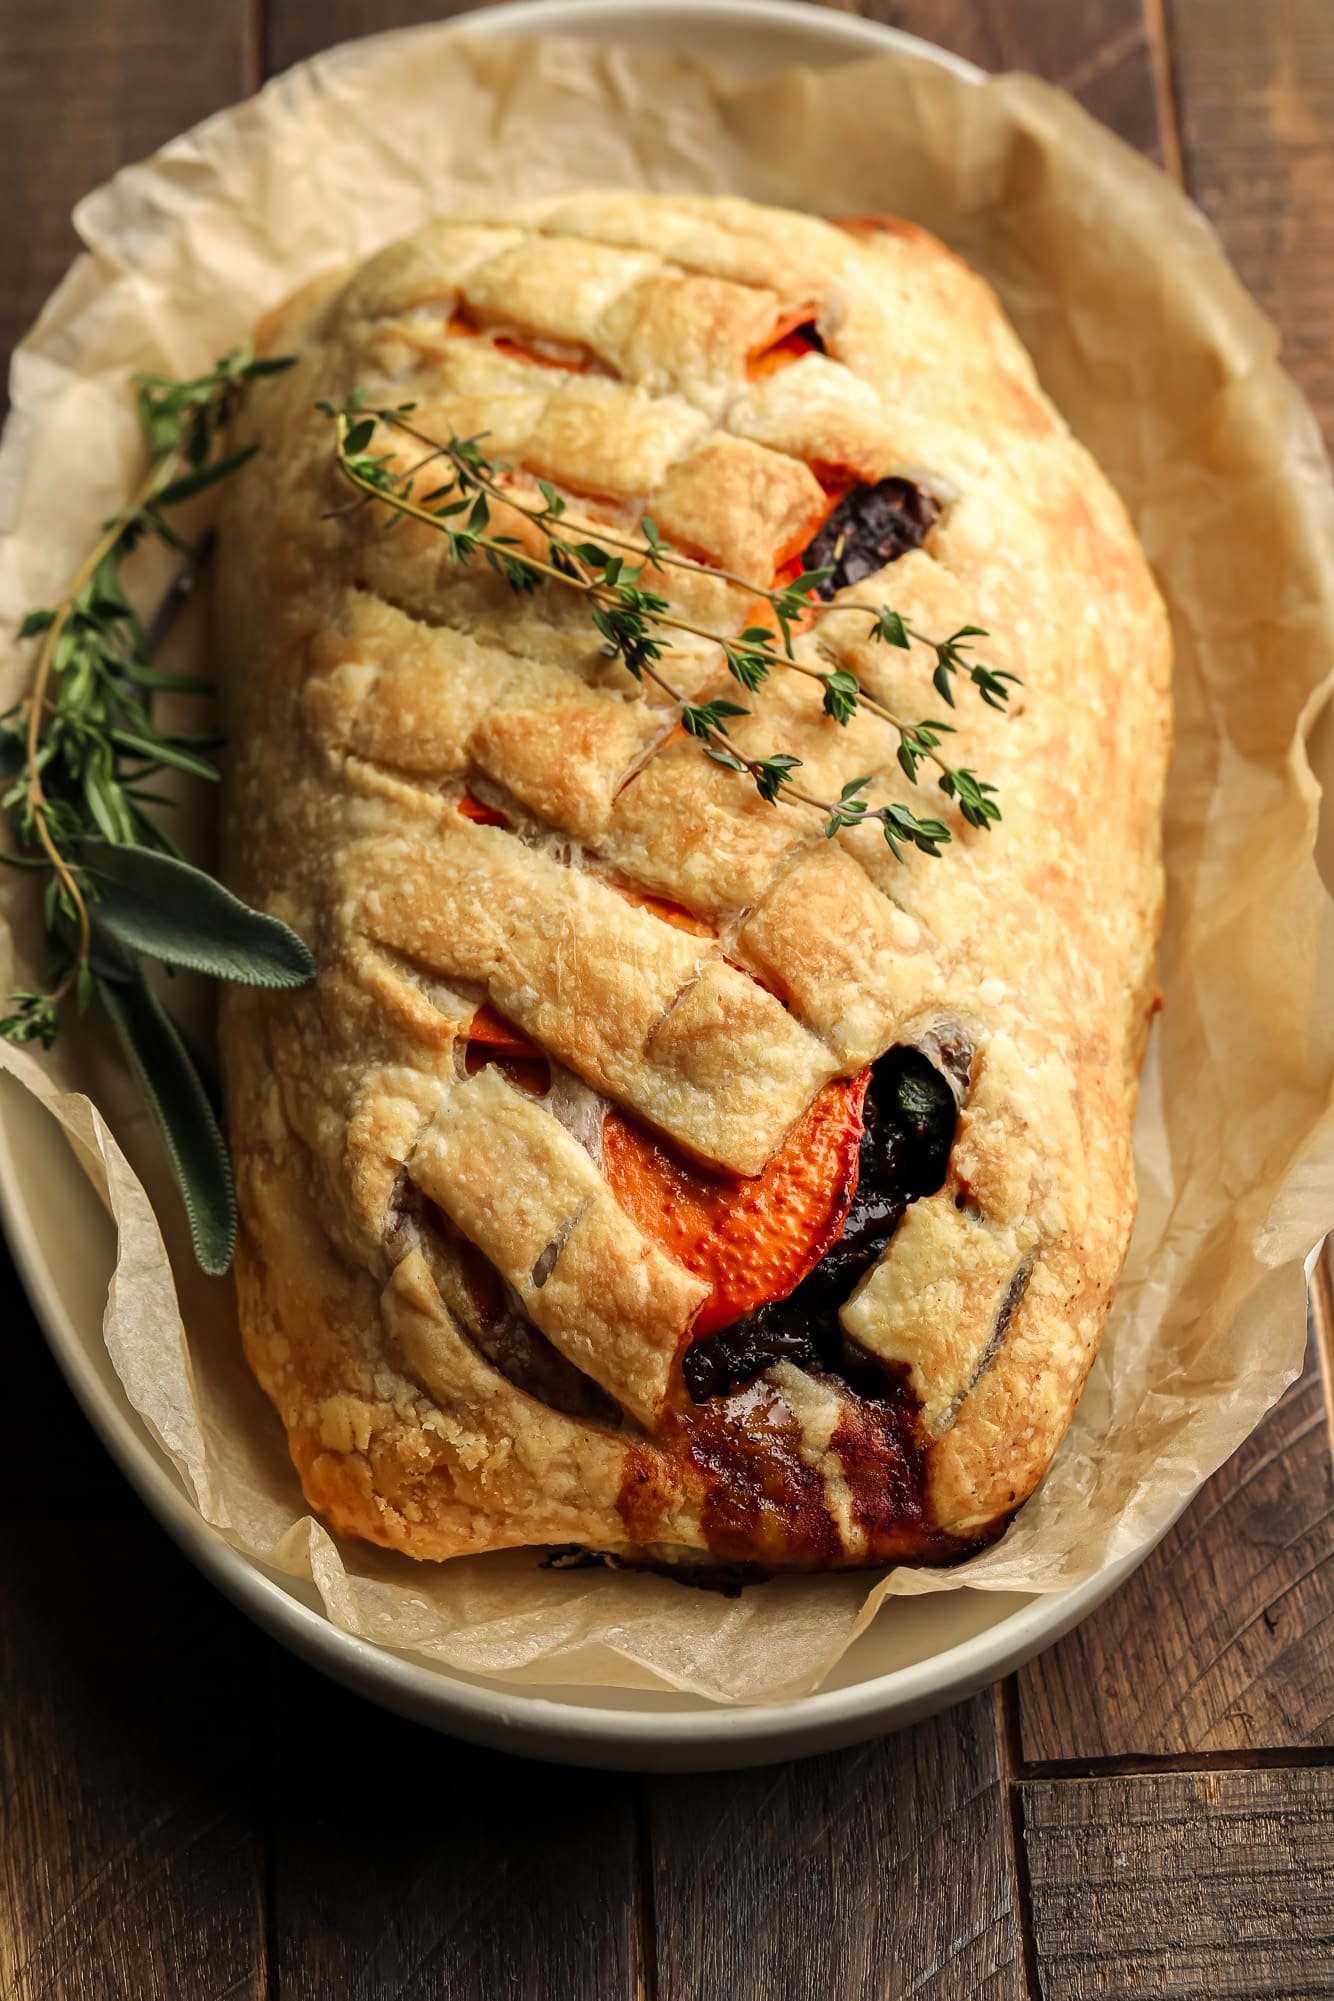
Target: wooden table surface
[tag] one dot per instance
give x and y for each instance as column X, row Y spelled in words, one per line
column 1146, row 1811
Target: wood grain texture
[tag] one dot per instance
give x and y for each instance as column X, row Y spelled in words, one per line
column 295, row 29
column 131, row 1859
column 1224, row 1639
column 1320, row 1320
column 1256, row 85
column 83, row 89
column 1217, row 1886
column 405, row 1864
column 877, row 1872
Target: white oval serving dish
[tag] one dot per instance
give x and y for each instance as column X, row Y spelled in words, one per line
column 919, row 1655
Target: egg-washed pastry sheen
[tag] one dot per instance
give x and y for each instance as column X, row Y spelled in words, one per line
column 645, row 1171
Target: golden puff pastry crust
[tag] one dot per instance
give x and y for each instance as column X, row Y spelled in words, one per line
column 475, row 1334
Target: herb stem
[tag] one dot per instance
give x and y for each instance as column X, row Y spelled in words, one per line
column 84, row 732
column 720, row 742
column 657, row 558
column 38, row 700
column 709, row 734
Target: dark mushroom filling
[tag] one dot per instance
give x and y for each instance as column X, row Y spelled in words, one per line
column 871, row 526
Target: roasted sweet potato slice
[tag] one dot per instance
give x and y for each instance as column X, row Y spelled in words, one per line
column 460, row 326
column 793, row 336
column 490, row 1031
column 674, row 914
column 751, row 1240
column 485, row 816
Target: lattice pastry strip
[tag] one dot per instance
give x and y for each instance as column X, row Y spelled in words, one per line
column 648, row 1013
column 435, row 703
column 515, row 1183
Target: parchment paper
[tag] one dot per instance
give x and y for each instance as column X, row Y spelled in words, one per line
column 1165, row 368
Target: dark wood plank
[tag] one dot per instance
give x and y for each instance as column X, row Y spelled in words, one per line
column 130, row 1857
column 83, row 89
column 874, row 1872
column 295, row 29
column 1224, row 1639
column 1216, row 1886
column 1256, row 90
column 406, row 1864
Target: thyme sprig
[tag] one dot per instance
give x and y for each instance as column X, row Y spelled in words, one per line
column 636, row 621
column 791, row 603
column 80, row 752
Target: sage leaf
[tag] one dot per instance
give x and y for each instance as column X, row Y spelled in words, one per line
column 157, row 904
column 175, row 1096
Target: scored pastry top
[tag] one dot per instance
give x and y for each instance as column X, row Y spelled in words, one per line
column 600, row 1033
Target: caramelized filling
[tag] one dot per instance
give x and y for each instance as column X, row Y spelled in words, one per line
column 491, row 1033
column 511, row 1343
column 530, row 1074
column 671, row 913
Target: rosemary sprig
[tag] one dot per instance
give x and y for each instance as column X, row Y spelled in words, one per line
column 80, row 751
column 636, row 622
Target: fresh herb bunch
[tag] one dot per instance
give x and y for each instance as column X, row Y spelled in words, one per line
column 636, row 622
column 80, row 752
